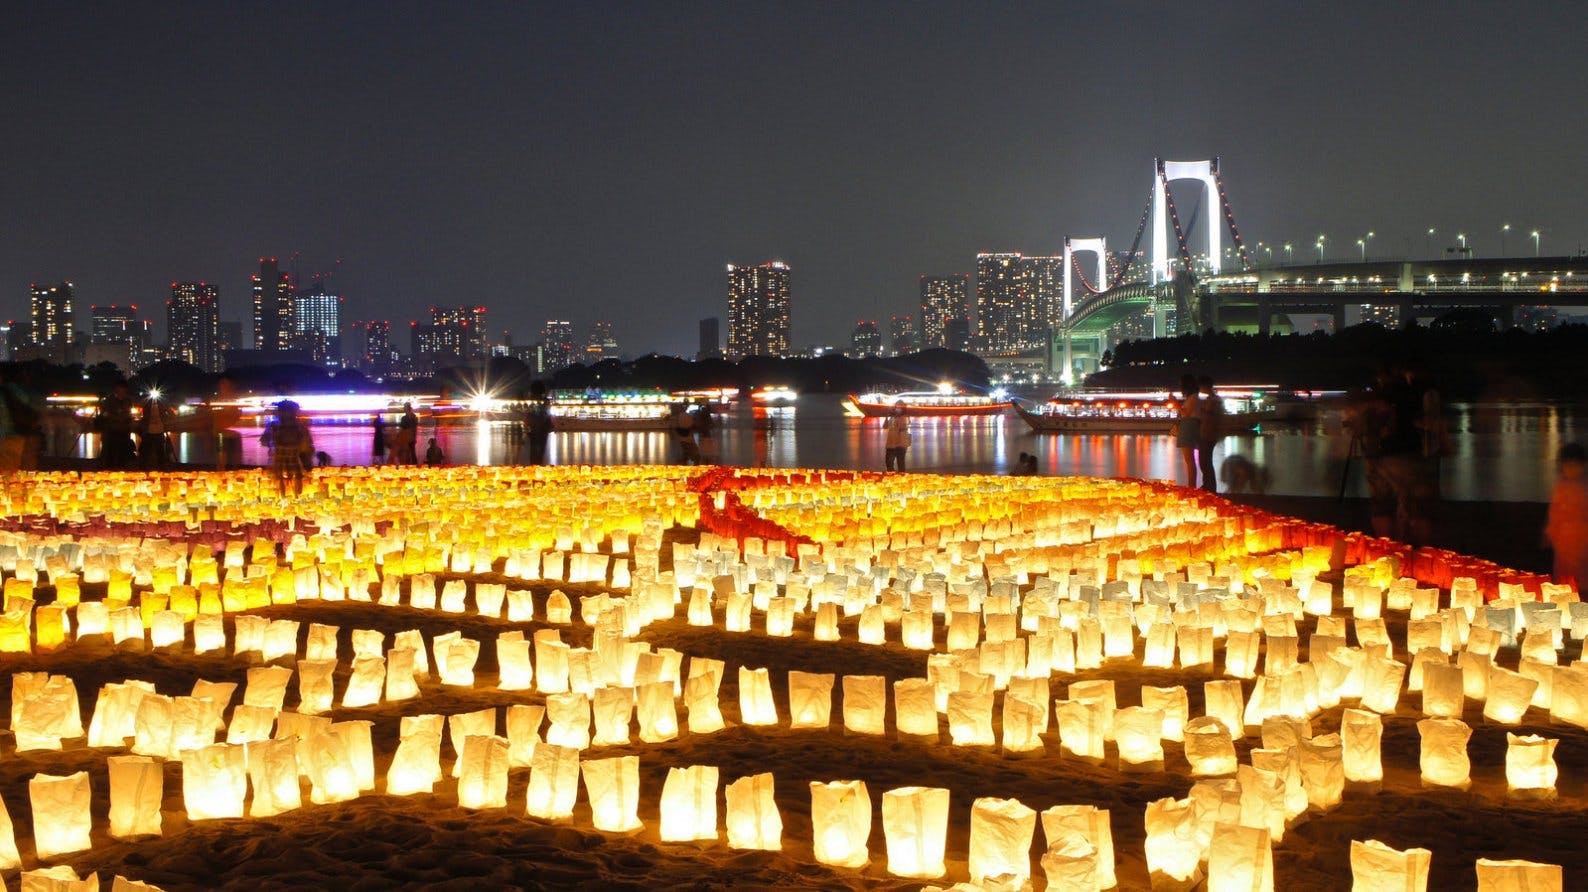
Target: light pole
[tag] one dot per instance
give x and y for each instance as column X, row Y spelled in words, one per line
column 1503, row 230
column 1365, row 239
column 1462, row 238
column 1362, row 243
column 1290, row 253
column 1534, row 236
column 1428, row 241
column 1269, row 250
column 1321, row 239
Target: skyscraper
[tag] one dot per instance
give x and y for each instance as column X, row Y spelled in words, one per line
column 459, row 333
column 192, row 317
column 274, row 320
column 865, row 341
column 113, row 324
column 1038, row 313
column 901, row 334
column 317, row 322
column 758, row 310
column 53, row 317
column 710, row 339
column 367, row 345
column 600, row 344
column 999, row 278
column 556, row 339
column 943, row 298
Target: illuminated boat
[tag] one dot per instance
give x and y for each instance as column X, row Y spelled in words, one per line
column 773, row 396
column 940, row 403
column 721, row 397
column 608, row 411
column 1152, row 412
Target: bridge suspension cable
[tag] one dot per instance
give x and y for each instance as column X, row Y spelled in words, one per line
column 1135, row 243
column 1174, row 216
column 1229, row 219
column 1075, row 261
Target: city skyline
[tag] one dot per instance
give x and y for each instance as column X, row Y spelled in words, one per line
column 574, row 168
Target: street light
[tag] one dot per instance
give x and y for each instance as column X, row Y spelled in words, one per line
column 1362, row 243
column 1290, row 254
column 1534, row 236
column 1428, row 241
column 1321, row 239
column 1503, row 230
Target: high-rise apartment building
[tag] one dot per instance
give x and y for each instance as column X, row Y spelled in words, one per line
column 601, row 344
column 192, row 319
column 317, row 322
column 1018, row 300
column 556, row 339
column 113, row 324
column 758, row 310
column 274, row 317
column 865, row 340
column 459, row 333
column 53, row 317
column 367, row 346
column 943, row 298
column 901, row 334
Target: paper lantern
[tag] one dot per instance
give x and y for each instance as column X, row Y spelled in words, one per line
column 327, row 761
column 657, row 712
column 1090, row 823
column 1138, row 734
column 613, row 788
column 1071, row 863
column 752, row 816
column 61, row 820
column 1530, row 769
column 482, row 779
column 810, row 699
column 60, row 878
column 1240, row 859
column 214, row 782
column 155, row 725
column 1519, row 876
column 279, row 639
column 1023, row 723
column 356, row 741
column 1375, row 867
column 1361, row 734
column 914, row 708
column 1240, row 653
column 523, row 732
column 916, row 629
column 700, row 700
column 1000, row 841
column 871, row 629
column 915, row 829
column 1173, row 704
column 1444, row 759
column 1569, row 703
column 513, row 667
column 1102, row 690
column 10, row 858
column 1322, row 771
column 865, row 703
column 400, row 683
column 1510, row 694
column 1381, row 684
column 267, row 686
column 553, row 782
column 136, row 790
column 1159, row 651
column 552, row 662
column 613, row 711
column 569, row 717
column 1222, row 699
column 1173, row 853
column 41, row 715
column 315, row 691
column 755, row 697
column 414, row 640
column 416, row 764
column 455, row 664
column 841, row 823
column 1081, row 727
column 689, row 804
column 970, row 718
column 273, row 773
column 1209, row 748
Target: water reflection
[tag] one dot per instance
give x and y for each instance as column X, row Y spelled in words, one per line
column 1500, row 453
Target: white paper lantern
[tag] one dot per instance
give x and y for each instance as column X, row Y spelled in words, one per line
column 400, row 670
column 1444, row 759
column 613, row 788
column 1530, row 765
column 569, row 717
column 1223, row 699
column 482, row 781
column 272, row 768
column 970, row 719
column 267, row 686
column 315, row 691
column 1519, row 876
column 1138, row 733
column 214, row 782
column 553, row 782
column 1443, row 690
column 551, row 662
column 1240, row 859
column 810, row 699
column 841, row 823
column 1092, row 824
column 752, row 816
column 657, row 712
column 916, row 629
column 915, row 828
column 865, row 703
column 756, row 706
column 1322, row 771
column 1209, row 748
column 1081, row 727
column 1023, row 723
column 1375, row 867
column 1173, row 853
column 1381, row 684
column 328, row 761
column 61, row 819
column 1240, row 653
column 700, row 700
column 914, row 708
column 523, row 733
column 1000, row 840
column 1071, row 863
column 613, row 710
column 1569, row 704
column 1510, row 694
column 60, row 878
column 689, row 804
column 1361, row 734
column 10, row 858
column 1173, row 704
column 514, row 671
column 137, row 786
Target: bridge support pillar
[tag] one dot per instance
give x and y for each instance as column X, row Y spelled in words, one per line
column 1265, row 311
column 1338, row 315
column 1160, row 326
column 1068, row 375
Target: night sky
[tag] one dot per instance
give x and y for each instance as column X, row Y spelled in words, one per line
column 594, row 161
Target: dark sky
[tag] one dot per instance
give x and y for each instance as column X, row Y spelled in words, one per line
column 605, row 161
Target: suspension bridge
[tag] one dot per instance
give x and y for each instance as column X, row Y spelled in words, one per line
column 1200, row 293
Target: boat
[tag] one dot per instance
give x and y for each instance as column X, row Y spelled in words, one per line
column 613, row 411
column 773, row 395
column 940, row 403
column 1150, row 412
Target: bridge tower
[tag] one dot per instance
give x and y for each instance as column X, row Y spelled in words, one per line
column 1163, row 213
column 1072, row 268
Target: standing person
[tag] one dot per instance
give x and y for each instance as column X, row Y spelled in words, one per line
column 290, row 447
column 897, row 442
column 537, row 422
column 224, row 417
column 1402, row 463
column 22, row 429
column 434, row 457
column 705, row 428
column 1567, row 529
column 154, row 444
column 13, row 442
column 377, row 448
column 1211, row 432
column 405, row 447
column 115, row 429
column 1188, row 429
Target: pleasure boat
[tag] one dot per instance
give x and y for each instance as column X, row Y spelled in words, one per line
column 1152, row 412
column 940, row 403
